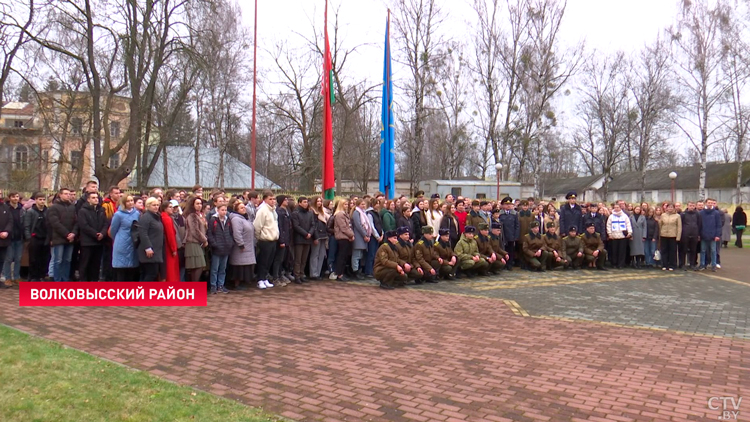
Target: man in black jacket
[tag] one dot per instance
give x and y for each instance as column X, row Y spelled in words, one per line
column 14, row 253
column 692, row 224
column 35, row 231
column 511, row 230
column 220, row 241
column 6, row 229
column 571, row 214
column 284, row 243
column 92, row 223
column 592, row 216
column 303, row 224
column 63, row 228
column 377, row 235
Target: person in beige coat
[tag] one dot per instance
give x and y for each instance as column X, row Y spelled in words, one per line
column 670, row 232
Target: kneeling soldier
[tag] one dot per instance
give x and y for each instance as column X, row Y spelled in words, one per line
column 468, row 254
column 497, row 242
column 593, row 247
column 445, row 252
column 553, row 245
column 572, row 249
column 426, row 256
column 387, row 269
column 406, row 256
column 533, row 246
column 486, row 251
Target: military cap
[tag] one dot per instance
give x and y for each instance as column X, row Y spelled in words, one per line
column 570, row 194
column 427, row 229
column 470, row 229
column 496, row 225
column 573, row 229
column 534, row 224
column 524, row 202
column 507, row 200
column 550, row 224
column 483, row 226
column 590, row 224
column 391, row 233
column 435, row 196
column 403, row 229
column 444, row 232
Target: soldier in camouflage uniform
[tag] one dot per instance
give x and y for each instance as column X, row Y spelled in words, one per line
column 468, row 254
column 426, row 256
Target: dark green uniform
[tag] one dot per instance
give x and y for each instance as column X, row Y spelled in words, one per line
column 570, row 248
column 591, row 243
column 466, row 250
column 486, row 251
column 445, row 251
column 552, row 244
column 406, row 256
column 427, row 257
column 386, row 261
column 531, row 244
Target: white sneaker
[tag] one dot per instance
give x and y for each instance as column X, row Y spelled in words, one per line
column 261, row 284
column 718, row 266
column 267, row 284
column 2, row 279
column 333, row 276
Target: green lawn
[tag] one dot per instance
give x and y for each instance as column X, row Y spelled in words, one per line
column 44, row 381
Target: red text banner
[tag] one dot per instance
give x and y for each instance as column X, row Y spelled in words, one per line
column 112, row 294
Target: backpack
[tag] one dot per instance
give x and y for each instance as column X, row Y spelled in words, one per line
column 134, row 236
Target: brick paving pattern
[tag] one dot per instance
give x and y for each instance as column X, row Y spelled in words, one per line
column 341, row 352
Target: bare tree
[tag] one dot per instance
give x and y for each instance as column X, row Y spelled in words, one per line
column 699, row 54
column 12, row 37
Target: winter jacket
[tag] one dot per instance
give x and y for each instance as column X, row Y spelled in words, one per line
column 376, row 223
column 342, row 227
column 388, row 219
column 124, row 254
column 243, row 232
column 726, row 229
column 303, row 223
column 600, row 224
column 151, row 235
column 35, row 223
column 591, row 243
column 461, row 217
column 62, row 221
column 285, row 226
column 618, row 226
column 712, row 224
column 433, row 219
column 511, row 225
column 638, row 222
column 466, row 249
column 17, row 215
column 266, row 223
column 531, row 244
column 386, row 257
column 321, row 226
column 6, row 224
column 670, row 225
column 220, row 237
column 418, row 220
column 110, row 207
column 402, row 221
column 692, row 224
column 359, row 231
column 451, row 223
column 524, row 220
column 652, row 229
column 571, row 217
column 739, row 218
column 91, row 220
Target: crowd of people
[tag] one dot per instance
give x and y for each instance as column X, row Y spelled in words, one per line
column 266, row 240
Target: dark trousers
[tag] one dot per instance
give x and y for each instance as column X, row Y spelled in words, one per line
column 266, row 251
column 390, row 277
column 619, row 252
column 681, row 251
column 278, row 260
column 90, row 261
column 372, row 250
column 738, row 243
column 690, row 248
column 39, row 256
column 668, row 252
column 107, row 272
column 301, row 253
column 150, row 271
column 511, row 248
column 127, row 274
column 74, row 261
column 342, row 256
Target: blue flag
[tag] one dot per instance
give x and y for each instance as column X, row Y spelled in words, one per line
column 387, row 131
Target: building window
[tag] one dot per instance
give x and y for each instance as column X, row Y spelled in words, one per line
column 76, row 160
column 76, row 126
column 114, row 161
column 456, row 192
column 21, row 158
column 481, row 196
column 114, row 130
column 18, row 123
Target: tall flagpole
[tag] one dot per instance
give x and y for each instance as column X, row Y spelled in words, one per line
column 388, row 25
column 255, row 84
column 323, row 141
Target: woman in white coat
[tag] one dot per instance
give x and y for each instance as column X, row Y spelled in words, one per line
column 619, row 233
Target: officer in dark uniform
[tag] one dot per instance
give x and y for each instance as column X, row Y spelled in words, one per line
column 406, row 255
column 571, row 214
column 426, row 256
column 593, row 247
column 511, row 230
column 572, row 249
column 445, row 252
column 533, row 248
column 388, row 271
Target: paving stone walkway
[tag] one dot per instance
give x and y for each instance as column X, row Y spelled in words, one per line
column 342, row 352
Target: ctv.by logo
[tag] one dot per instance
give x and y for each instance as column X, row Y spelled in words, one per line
column 729, row 406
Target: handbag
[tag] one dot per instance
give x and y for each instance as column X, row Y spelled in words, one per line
column 657, row 255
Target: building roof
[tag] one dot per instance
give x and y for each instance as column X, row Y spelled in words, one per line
column 17, row 108
column 181, row 170
column 718, row 176
column 563, row 186
column 455, row 182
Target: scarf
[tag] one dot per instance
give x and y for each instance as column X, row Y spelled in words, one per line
column 364, row 221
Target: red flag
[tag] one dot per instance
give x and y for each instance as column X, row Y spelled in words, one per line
column 329, row 180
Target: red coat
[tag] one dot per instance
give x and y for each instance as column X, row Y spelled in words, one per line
column 461, row 217
column 171, row 261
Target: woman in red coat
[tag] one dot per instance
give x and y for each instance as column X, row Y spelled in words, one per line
column 171, row 272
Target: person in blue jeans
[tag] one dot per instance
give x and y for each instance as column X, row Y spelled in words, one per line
column 652, row 234
column 62, row 229
column 14, row 252
column 220, row 241
column 710, row 233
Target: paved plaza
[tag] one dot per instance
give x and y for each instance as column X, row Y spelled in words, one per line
column 599, row 346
